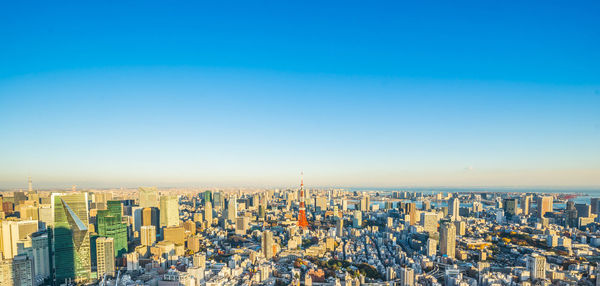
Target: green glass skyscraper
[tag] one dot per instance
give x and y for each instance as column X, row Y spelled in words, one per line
column 207, row 197
column 110, row 225
column 70, row 238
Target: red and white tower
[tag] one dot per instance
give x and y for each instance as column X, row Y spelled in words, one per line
column 302, row 222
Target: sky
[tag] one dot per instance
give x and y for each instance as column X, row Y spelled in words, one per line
column 249, row 94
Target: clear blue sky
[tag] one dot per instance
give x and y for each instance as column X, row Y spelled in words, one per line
column 354, row 93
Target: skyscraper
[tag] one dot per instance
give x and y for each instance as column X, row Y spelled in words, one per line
column 105, row 256
column 207, row 197
column 364, row 203
column 13, row 232
column 169, row 211
column 510, row 207
column 110, row 225
column 339, row 227
column 23, row 271
column 594, row 204
column 208, row 213
column 71, row 238
column 544, row 205
column 151, row 216
column 410, row 212
column 241, row 225
column 429, row 221
column 537, row 266
column 448, row 239
column 232, row 208
column 217, row 200
column 525, row 204
column 453, row 208
column 357, row 219
column 267, row 244
column 148, row 235
column 148, row 197
column 407, row 276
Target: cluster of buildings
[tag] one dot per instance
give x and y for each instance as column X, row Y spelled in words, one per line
column 191, row 237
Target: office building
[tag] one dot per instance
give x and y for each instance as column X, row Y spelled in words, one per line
column 169, row 211
column 105, row 256
column 175, row 234
column 71, row 239
column 339, row 227
column 232, row 208
column 537, row 266
column 110, row 225
column 148, row 197
column 148, row 235
column 544, row 205
column 525, row 205
column 208, row 213
column 407, row 276
column 454, row 208
column 448, row 239
column 267, row 244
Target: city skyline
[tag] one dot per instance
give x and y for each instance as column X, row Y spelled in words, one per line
column 205, row 95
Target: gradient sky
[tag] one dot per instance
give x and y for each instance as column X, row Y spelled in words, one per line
column 354, row 93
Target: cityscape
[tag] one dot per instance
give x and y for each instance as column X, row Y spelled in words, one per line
column 301, row 143
column 298, row 236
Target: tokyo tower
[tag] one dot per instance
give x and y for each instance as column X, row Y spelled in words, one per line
column 302, row 222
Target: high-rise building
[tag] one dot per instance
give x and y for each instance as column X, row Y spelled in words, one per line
column 71, row 238
column 339, row 227
column 208, row 213
column 6, row 272
column 429, row 221
column 217, row 200
column 431, row 248
column 544, row 205
column 410, row 212
column 510, row 207
column 148, row 235
column 169, row 211
column 13, row 232
column 148, row 197
column 23, row 271
column 199, row 260
column 595, row 205
column 537, row 266
column 525, row 204
column 110, row 225
column 207, row 197
column 105, row 256
column 267, row 244
column 448, row 239
column 364, row 203
column 453, row 208
column 407, row 276
column 241, row 225
column 583, row 210
column 35, row 246
column 357, row 219
column 477, row 207
column 232, row 208
column 151, row 216
column 175, row 234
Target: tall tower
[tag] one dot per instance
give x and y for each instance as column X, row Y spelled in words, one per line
column 448, row 239
column 30, row 185
column 302, row 222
